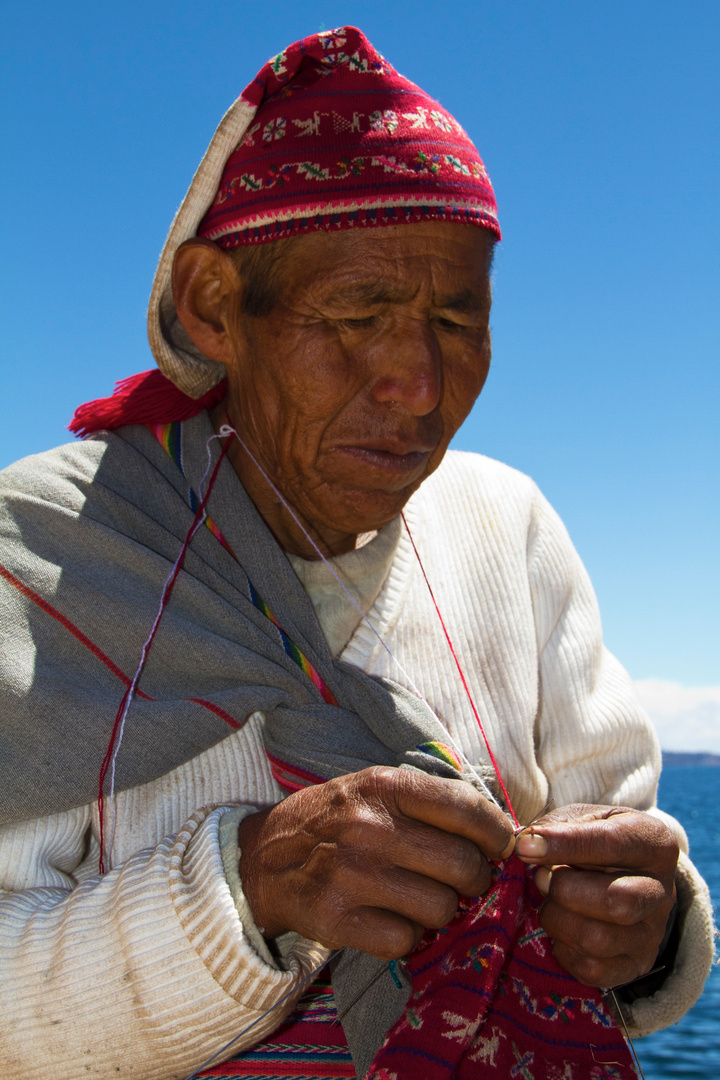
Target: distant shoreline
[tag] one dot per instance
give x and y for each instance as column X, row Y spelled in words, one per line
column 679, row 757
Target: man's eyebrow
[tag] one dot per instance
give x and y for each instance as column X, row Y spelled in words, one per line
column 368, row 293
column 465, row 302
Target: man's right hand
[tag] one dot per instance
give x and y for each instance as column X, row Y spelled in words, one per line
column 370, row 859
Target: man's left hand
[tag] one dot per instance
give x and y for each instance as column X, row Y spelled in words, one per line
column 609, row 876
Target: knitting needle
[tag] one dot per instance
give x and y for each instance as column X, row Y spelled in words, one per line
column 627, row 1035
column 356, row 997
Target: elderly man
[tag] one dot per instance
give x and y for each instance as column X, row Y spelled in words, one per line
column 262, row 574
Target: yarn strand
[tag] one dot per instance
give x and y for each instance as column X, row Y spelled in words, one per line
column 116, row 735
column 458, row 665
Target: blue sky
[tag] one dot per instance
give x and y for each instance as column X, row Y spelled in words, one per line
column 599, row 125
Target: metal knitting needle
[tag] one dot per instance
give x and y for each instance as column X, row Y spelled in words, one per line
column 543, row 812
column 363, row 989
column 647, row 975
column 627, row 1036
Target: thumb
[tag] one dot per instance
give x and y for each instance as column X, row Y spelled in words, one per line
column 579, row 835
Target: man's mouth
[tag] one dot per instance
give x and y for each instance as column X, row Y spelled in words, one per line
column 392, row 459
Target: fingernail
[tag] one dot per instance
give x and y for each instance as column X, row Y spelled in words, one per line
column 531, row 846
column 543, row 877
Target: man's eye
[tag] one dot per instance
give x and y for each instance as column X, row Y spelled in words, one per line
column 357, row 324
column 448, row 324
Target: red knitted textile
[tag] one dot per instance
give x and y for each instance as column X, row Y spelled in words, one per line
column 490, row 1002
column 341, row 140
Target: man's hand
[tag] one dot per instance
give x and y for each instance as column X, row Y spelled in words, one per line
column 609, row 876
column 370, row 859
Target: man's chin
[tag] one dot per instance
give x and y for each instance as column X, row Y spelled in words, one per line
column 361, row 511
column 356, row 501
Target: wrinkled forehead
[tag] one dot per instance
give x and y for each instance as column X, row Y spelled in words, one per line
column 439, row 263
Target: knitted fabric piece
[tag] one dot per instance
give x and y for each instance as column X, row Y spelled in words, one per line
column 490, row 1001
column 341, row 140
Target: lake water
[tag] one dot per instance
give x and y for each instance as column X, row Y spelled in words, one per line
column 691, row 1049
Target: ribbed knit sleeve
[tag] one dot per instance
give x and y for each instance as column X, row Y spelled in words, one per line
column 595, row 744
column 144, row 973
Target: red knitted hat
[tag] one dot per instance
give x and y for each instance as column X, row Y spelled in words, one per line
column 326, row 136
column 341, row 140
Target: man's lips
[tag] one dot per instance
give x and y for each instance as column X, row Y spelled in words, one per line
column 392, row 459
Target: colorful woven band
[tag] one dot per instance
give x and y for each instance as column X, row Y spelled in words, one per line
column 341, row 140
column 170, row 438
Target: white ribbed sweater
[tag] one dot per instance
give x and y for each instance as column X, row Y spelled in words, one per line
column 148, row 971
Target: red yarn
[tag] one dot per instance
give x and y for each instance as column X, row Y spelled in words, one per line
column 476, row 714
column 132, row 688
column 147, row 398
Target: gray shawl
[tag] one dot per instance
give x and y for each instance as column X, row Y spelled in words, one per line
column 92, row 529
column 88, row 534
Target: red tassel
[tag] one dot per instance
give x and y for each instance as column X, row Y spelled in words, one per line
column 147, row 398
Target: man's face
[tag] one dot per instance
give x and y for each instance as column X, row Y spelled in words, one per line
column 351, row 388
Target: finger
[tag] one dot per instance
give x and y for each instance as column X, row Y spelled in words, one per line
column 424, row 898
column 621, row 838
column 599, row 940
column 438, row 855
column 594, row 971
column 621, row 899
column 365, row 837
column 380, row 933
column 351, row 881
column 416, row 898
column 360, row 883
column 452, row 806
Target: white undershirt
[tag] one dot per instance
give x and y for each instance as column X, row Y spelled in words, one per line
column 363, row 571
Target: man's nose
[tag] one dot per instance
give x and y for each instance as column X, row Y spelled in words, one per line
column 409, row 366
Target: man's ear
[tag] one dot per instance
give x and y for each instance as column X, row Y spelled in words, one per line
column 206, row 288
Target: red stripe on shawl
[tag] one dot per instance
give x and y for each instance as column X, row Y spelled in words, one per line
column 290, row 777
column 215, row 709
column 96, row 650
column 74, row 630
